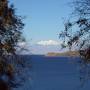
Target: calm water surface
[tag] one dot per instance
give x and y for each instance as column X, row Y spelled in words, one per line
column 56, row 73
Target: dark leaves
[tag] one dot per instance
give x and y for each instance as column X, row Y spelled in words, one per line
column 77, row 31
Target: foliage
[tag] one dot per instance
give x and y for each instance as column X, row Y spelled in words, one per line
column 77, row 29
column 11, row 26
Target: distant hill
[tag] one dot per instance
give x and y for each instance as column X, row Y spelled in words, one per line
column 68, row 53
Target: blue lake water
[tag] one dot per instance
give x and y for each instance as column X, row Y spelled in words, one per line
column 56, row 73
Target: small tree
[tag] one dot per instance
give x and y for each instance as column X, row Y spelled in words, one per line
column 11, row 26
column 77, row 30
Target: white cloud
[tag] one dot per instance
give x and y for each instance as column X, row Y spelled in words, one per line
column 22, row 44
column 48, row 42
column 23, row 48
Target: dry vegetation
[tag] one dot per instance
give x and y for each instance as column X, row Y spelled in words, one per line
column 68, row 53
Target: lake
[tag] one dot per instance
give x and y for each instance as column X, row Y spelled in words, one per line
column 57, row 73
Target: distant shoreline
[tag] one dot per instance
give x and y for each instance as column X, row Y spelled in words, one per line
column 64, row 54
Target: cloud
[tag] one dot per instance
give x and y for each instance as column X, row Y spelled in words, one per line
column 23, row 48
column 48, row 42
column 22, row 44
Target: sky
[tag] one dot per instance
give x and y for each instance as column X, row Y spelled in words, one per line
column 43, row 22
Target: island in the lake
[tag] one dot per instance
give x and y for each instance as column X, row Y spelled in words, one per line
column 67, row 53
